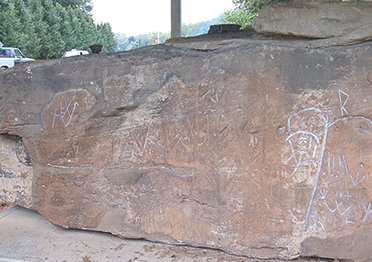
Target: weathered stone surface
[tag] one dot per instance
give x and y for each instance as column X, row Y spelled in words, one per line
column 256, row 146
column 335, row 23
column 15, row 172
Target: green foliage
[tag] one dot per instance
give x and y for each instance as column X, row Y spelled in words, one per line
column 45, row 29
column 246, row 11
column 241, row 17
column 106, row 38
column 28, row 38
column 254, row 4
column 52, row 41
column 85, row 5
column 10, row 23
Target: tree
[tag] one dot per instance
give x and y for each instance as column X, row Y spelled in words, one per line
column 85, row 5
column 66, row 27
column 47, row 28
column 41, row 27
column 29, row 41
column 106, row 38
column 86, row 30
column 52, row 42
column 246, row 11
column 10, row 23
column 76, row 30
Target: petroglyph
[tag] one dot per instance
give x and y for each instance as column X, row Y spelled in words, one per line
column 309, row 129
column 141, row 140
column 65, row 112
column 354, row 180
column 367, row 212
column 338, row 194
column 317, row 225
column 66, row 107
column 253, row 142
column 343, row 98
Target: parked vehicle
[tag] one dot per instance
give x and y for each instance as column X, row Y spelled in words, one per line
column 10, row 56
column 75, row 52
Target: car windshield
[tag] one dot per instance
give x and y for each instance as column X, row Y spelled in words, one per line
column 18, row 53
column 5, row 53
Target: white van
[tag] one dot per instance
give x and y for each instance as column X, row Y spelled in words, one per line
column 75, row 52
column 10, row 56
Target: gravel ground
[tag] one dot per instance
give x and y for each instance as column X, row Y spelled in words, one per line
column 27, row 236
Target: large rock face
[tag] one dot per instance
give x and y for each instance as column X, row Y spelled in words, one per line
column 253, row 145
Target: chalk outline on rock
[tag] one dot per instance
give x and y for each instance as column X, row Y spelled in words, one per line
column 343, row 100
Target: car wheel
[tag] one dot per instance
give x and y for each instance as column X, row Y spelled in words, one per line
column 3, row 68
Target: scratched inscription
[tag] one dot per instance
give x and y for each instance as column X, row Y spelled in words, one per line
column 66, row 107
column 65, row 112
column 319, row 157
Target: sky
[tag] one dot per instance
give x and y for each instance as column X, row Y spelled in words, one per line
column 133, row 17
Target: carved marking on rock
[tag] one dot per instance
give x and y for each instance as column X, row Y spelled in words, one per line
column 213, row 95
column 304, row 148
column 65, row 112
column 354, row 180
column 253, row 142
column 367, row 212
column 343, row 98
column 141, row 141
column 175, row 140
column 66, row 107
column 307, row 148
column 317, row 225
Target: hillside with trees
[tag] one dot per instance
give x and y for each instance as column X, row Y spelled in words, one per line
column 45, row 29
column 126, row 43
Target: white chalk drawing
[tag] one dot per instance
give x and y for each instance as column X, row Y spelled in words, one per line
column 65, row 112
column 304, row 146
column 308, row 132
column 317, row 225
column 343, row 98
column 340, row 204
column 253, row 142
column 354, row 180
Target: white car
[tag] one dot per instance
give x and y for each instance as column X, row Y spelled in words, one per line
column 75, row 52
column 10, row 56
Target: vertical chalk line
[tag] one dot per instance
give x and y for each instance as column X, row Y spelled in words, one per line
column 317, row 178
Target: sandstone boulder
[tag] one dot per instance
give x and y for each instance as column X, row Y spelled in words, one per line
column 334, row 23
column 253, row 145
